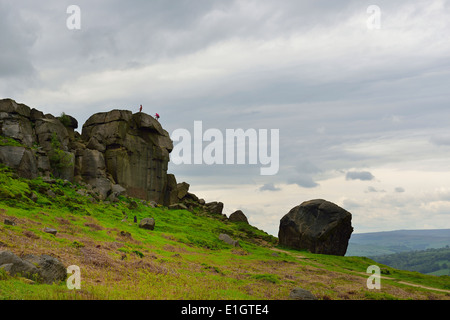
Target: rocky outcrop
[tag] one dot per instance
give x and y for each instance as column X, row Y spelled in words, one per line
column 214, row 207
column 115, row 148
column 21, row 159
column 178, row 197
column 171, row 192
column 319, row 226
column 128, row 149
column 44, row 268
column 182, row 190
column 227, row 239
column 238, row 216
column 41, row 142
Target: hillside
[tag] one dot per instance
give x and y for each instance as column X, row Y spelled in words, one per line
column 182, row 258
column 430, row 261
column 390, row 242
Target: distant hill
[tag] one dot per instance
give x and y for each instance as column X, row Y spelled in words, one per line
column 390, row 242
column 430, row 261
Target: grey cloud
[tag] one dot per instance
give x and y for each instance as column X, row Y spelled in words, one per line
column 399, row 190
column 269, row 187
column 441, row 139
column 302, row 174
column 359, row 175
column 303, row 180
column 17, row 36
column 371, row 189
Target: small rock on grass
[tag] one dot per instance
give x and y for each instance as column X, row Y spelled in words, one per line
column 147, row 223
column 51, row 231
column 301, row 294
column 9, row 222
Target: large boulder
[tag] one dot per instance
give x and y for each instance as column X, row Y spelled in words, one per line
column 147, row 223
column 15, row 122
column 317, row 225
column 214, row 207
column 171, row 191
column 238, row 216
column 50, row 269
column 21, row 159
column 227, row 239
column 16, row 266
column 42, row 268
column 182, row 190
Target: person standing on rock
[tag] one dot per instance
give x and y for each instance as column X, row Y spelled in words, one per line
column 140, row 109
column 157, row 116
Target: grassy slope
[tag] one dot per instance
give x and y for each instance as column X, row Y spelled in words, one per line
column 181, row 259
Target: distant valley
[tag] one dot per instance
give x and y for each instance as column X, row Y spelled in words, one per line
column 388, row 242
column 424, row 251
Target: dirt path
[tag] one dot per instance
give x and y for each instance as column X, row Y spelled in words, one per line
column 289, row 253
column 423, row 287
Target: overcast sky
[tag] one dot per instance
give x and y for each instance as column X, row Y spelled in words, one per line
column 363, row 113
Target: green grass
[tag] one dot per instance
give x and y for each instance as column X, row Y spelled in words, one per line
column 7, row 141
column 182, row 258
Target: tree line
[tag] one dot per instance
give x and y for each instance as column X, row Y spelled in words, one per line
column 423, row 261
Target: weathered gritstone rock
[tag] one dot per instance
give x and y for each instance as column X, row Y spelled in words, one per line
column 21, row 159
column 135, row 149
column 238, row 216
column 15, row 122
column 318, row 226
column 301, row 294
column 147, row 223
column 42, row 268
column 35, row 132
column 227, row 239
column 183, row 189
column 214, row 207
column 116, row 149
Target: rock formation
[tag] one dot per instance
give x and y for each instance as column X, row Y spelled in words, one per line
column 43, row 145
column 117, row 153
column 227, row 239
column 238, row 216
column 318, row 226
column 42, row 268
column 147, row 223
column 115, row 148
column 131, row 150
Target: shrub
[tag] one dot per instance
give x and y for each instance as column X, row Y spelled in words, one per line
column 267, row 277
column 7, row 141
column 65, row 119
column 58, row 158
column 138, row 253
column 77, row 244
column 3, row 274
